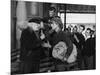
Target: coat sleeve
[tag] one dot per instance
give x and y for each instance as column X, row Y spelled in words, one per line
column 29, row 43
column 69, row 44
column 23, row 44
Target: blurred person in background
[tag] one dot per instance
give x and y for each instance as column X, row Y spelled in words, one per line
column 94, row 48
column 75, row 38
column 47, row 20
column 79, row 41
column 47, row 24
column 89, row 50
column 81, row 37
column 68, row 32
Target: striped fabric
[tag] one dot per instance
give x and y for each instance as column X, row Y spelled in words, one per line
column 15, row 60
column 46, row 64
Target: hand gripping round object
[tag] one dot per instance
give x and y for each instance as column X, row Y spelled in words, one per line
column 59, row 52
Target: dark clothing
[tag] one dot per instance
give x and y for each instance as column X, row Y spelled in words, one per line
column 81, row 40
column 30, row 46
column 48, row 19
column 89, row 54
column 30, row 50
column 69, row 34
column 88, row 62
column 94, row 52
column 89, row 47
column 93, row 42
column 28, row 67
column 54, row 38
column 79, row 46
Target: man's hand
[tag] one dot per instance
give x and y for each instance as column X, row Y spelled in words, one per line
column 42, row 36
column 46, row 45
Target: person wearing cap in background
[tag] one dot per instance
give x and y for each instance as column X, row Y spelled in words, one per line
column 47, row 20
column 31, row 46
column 52, row 13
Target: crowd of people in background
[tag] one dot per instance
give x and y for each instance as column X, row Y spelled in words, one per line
column 46, row 34
column 85, row 45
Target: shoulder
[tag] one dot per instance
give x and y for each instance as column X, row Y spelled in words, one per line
column 64, row 35
column 57, row 16
column 25, row 32
column 45, row 19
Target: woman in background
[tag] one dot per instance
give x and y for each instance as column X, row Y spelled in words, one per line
column 59, row 38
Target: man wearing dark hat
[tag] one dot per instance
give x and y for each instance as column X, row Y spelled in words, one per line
column 31, row 47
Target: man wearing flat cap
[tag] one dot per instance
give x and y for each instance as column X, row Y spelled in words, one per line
column 31, row 46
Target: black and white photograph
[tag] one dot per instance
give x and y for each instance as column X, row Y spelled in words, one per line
column 49, row 37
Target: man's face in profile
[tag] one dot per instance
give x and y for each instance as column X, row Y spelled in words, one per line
column 34, row 26
column 87, row 33
column 51, row 13
column 81, row 29
column 54, row 25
